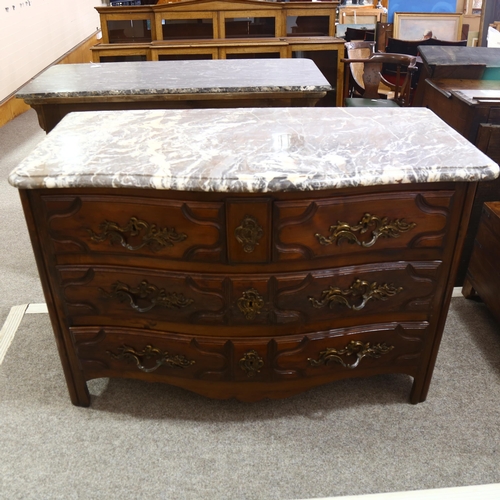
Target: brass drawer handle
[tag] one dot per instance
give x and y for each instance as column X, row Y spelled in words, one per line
column 146, row 296
column 155, row 238
column 382, row 227
column 248, row 233
column 358, row 290
column 360, row 349
column 130, row 355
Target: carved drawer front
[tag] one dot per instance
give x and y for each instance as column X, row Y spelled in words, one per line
column 368, row 293
column 132, row 226
column 331, row 354
column 159, row 299
column 359, row 225
column 390, row 347
column 139, row 297
column 109, row 351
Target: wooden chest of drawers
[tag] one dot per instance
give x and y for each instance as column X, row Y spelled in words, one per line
column 319, row 259
column 249, row 296
column 483, row 275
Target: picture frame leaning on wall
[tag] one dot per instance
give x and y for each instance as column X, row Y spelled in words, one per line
column 421, row 25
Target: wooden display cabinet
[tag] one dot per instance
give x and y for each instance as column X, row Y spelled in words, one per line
column 220, row 29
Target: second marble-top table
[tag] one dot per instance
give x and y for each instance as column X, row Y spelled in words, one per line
column 218, row 83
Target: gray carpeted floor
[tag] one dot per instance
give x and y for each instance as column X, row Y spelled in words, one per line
column 155, row 441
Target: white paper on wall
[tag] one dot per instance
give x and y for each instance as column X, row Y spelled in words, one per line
column 493, row 38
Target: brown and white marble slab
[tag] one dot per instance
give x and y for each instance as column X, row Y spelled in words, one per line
column 251, row 150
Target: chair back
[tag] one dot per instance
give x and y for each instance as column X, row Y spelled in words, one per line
column 359, row 34
column 372, row 75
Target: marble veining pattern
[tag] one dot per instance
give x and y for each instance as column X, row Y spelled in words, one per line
column 176, row 77
column 251, row 150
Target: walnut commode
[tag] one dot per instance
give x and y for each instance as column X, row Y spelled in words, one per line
column 232, row 293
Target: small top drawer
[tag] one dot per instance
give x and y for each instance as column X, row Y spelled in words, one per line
column 344, row 226
column 152, row 227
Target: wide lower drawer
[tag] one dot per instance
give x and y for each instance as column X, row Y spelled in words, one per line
column 323, row 356
column 155, row 299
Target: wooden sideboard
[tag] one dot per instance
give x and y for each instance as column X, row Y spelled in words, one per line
column 472, row 107
column 290, row 253
column 483, row 276
column 214, row 19
column 220, row 29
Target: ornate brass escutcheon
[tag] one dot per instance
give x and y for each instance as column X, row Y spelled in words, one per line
column 358, row 290
column 248, row 233
column 382, row 228
column 140, row 358
column 360, row 349
column 250, row 303
column 155, row 238
column 146, row 296
column 251, row 363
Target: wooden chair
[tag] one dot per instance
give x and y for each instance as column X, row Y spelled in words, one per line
column 353, row 79
column 353, row 34
column 369, row 93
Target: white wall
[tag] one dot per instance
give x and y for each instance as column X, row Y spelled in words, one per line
column 35, row 33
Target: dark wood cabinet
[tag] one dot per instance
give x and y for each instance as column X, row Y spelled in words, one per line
column 483, row 276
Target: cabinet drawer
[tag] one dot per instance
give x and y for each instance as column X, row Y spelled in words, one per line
column 332, row 354
column 155, row 299
column 357, row 225
column 134, row 226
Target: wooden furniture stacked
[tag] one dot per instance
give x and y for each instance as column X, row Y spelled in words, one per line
column 483, row 273
column 222, row 29
column 463, row 88
column 173, row 84
column 289, row 254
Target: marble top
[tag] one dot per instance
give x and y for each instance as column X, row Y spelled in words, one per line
column 176, row 77
column 442, row 55
column 251, row 150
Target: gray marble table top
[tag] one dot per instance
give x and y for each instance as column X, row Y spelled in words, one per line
column 176, row 77
column 251, row 150
column 439, row 55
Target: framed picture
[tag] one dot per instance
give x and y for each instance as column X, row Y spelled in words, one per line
column 421, row 25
